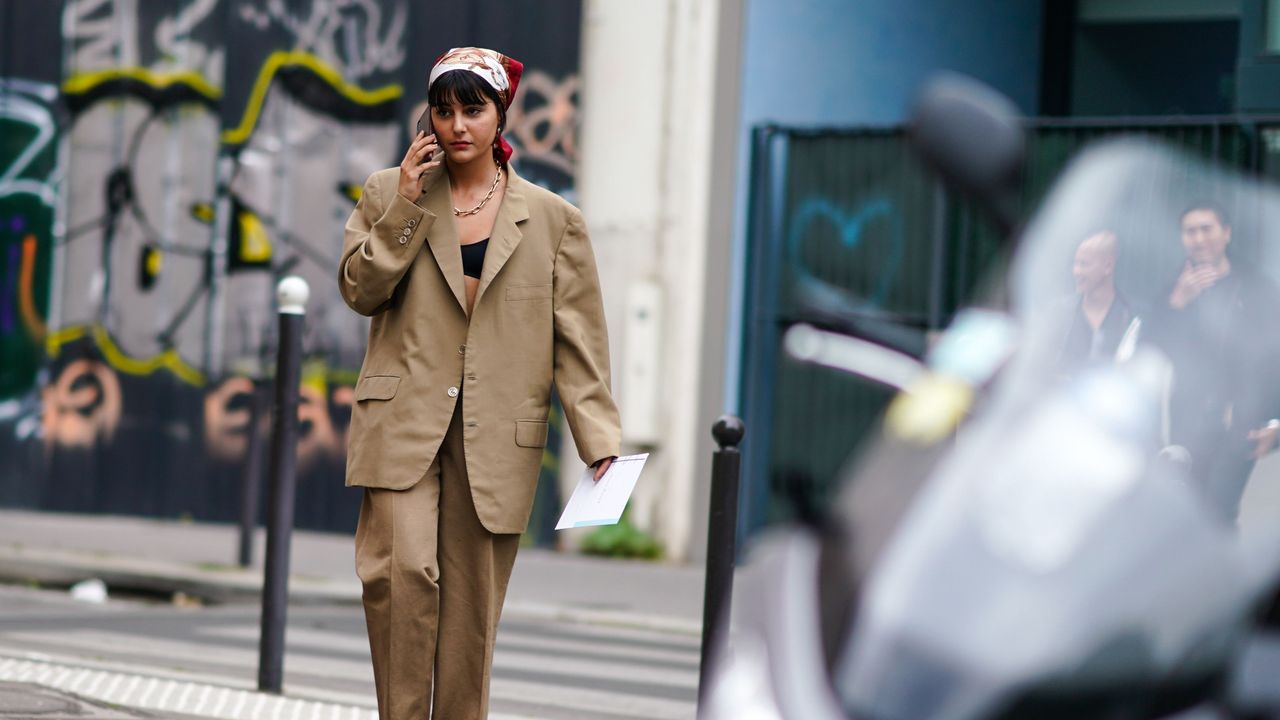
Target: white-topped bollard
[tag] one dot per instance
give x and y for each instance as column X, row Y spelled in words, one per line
column 292, row 293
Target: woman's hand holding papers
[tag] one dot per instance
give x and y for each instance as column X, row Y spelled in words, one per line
column 602, row 467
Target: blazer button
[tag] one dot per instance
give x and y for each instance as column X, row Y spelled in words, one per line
column 462, row 349
column 453, row 392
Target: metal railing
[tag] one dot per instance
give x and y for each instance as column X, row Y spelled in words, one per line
column 853, row 207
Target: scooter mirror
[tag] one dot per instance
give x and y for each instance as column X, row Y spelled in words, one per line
column 972, row 136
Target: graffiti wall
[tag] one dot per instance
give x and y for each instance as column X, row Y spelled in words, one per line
column 162, row 164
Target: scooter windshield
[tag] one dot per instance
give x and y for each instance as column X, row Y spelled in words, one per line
column 1104, row 522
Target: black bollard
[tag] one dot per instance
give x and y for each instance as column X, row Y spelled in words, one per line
column 292, row 293
column 722, row 529
column 251, row 483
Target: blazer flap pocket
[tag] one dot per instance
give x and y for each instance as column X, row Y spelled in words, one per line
column 531, row 433
column 529, row 292
column 377, row 387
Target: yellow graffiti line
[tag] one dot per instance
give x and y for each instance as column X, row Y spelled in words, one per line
column 84, row 82
column 145, row 366
column 116, row 358
column 55, row 341
column 340, row 376
column 315, row 376
column 295, row 58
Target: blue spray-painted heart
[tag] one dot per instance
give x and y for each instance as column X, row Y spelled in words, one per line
column 850, row 226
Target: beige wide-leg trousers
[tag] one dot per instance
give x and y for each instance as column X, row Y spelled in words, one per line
column 434, row 582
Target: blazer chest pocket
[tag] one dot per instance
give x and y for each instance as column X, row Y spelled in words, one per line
column 377, row 387
column 531, row 433
column 529, row 292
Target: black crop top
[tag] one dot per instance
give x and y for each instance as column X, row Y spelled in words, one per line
column 473, row 258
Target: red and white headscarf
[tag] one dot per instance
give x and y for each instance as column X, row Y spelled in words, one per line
column 499, row 71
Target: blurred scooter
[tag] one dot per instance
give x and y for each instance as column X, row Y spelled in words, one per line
column 1011, row 545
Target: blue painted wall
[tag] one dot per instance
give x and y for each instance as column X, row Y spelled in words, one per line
column 860, row 62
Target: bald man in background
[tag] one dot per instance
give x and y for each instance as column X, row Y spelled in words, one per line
column 1102, row 317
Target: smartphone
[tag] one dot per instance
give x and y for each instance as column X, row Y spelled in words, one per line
column 424, row 126
column 424, row 122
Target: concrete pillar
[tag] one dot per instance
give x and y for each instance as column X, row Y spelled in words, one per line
column 659, row 102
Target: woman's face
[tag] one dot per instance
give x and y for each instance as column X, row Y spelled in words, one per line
column 466, row 132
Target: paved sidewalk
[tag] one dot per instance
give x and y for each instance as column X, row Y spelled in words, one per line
column 29, row 700
column 198, row 559
column 57, row 691
column 131, row 555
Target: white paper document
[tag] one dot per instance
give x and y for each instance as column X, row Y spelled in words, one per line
column 602, row 503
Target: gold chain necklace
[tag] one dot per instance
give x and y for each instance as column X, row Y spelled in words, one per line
column 487, row 198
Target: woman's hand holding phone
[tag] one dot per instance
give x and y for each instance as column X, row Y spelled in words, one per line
column 419, row 159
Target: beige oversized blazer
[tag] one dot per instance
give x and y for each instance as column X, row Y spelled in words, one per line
column 538, row 319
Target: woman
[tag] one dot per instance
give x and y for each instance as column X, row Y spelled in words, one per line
column 483, row 292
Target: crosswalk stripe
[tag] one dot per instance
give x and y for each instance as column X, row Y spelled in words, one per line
column 179, row 655
column 603, row 633
column 588, row 700
column 586, row 669
column 513, row 651
column 298, row 639
column 518, row 642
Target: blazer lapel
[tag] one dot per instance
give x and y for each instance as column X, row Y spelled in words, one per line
column 442, row 236
column 506, row 231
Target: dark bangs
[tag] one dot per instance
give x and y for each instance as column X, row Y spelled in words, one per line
column 1214, row 207
column 461, row 86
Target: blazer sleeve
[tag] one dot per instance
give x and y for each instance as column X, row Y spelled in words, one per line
column 581, row 371
column 380, row 242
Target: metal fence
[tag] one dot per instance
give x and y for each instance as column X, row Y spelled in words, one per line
column 855, row 208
